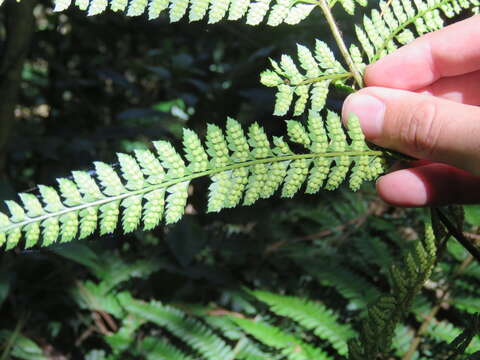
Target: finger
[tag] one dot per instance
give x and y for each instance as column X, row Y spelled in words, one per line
column 421, row 126
column 452, row 51
column 463, row 89
column 433, row 184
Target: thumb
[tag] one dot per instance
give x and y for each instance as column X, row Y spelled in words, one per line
column 418, row 125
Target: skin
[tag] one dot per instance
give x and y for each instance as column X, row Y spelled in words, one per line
column 423, row 100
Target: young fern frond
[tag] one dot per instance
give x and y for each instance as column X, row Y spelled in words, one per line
column 276, row 11
column 407, row 280
column 310, row 315
column 147, row 186
column 404, row 20
column 320, row 70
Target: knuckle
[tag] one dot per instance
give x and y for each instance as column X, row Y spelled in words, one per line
column 420, row 129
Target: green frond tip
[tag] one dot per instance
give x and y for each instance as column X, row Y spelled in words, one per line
column 399, row 22
column 275, row 12
column 307, row 85
column 147, row 187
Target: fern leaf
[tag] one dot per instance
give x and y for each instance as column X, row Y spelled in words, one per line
column 320, row 70
column 275, row 12
column 146, row 188
column 349, row 5
column 189, row 330
column 159, row 349
column 310, row 315
column 401, row 21
column 271, row 336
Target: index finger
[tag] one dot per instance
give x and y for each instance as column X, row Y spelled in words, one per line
column 452, row 51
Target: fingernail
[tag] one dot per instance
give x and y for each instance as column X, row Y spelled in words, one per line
column 369, row 110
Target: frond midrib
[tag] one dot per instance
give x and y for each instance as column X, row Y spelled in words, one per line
column 185, row 178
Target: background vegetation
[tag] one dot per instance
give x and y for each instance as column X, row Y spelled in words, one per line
column 75, row 89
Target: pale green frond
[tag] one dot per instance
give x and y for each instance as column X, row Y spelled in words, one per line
column 32, row 204
column 194, row 152
column 398, row 22
column 298, row 133
column 349, row 5
column 110, row 181
column 60, row 5
column 132, row 213
column 131, row 172
column 308, row 85
column 296, row 175
column 117, row 5
column 135, row 7
column 170, row 159
column 273, row 12
column 96, row 7
column 138, row 192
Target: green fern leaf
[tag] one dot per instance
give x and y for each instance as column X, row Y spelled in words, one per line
column 147, row 188
column 310, row 315
column 256, row 11
column 159, row 349
column 349, row 5
column 189, row 330
column 400, row 21
column 320, row 69
column 290, row 346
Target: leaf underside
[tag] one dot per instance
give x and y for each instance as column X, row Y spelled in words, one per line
column 305, row 86
column 146, row 188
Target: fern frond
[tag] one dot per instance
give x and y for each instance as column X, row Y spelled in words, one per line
column 349, row 5
column 275, row 11
column 312, row 316
column 245, row 348
column 446, row 332
column 290, row 346
column 402, row 21
column 189, row 330
column 148, row 186
column 159, row 349
column 310, row 85
column 352, row 286
column 379, row 327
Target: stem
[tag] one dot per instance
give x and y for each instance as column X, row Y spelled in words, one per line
column 431, row 315
column 459, row 236
column 188, row 177
column 340, row 43
column 326, row 77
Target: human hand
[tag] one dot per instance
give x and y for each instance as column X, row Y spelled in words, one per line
column 422, row 100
